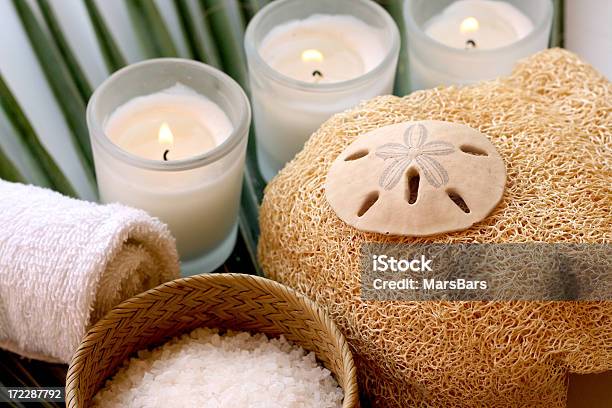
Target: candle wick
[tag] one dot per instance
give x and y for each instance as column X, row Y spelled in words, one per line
column 318, row 73
column 166, row 154
column 470, row 44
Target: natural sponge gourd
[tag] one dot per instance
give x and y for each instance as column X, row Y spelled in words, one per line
column 551, row 122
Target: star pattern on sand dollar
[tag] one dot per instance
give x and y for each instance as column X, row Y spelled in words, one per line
column 415, row 148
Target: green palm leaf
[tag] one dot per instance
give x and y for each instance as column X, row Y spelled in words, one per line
column 402, row 79
column 556, row 36
column 151, row 29
column 197, row 32
column 227, row 25
column 62, row 84
column 50, row 173
column 113, row 57
column 71, row 62
column 18, row 155
column 251, row 7
column 8, row 171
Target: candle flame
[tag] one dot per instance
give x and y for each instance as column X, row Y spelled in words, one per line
column 312, row 55
column 469, row 25
column 165, row 136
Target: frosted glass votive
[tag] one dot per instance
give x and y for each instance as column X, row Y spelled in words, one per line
column 309, row 60
column 433, row 63
column 169, row 136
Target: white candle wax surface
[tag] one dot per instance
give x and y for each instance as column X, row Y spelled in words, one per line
column 192, row 123
column 323, row 48
column 479, row 24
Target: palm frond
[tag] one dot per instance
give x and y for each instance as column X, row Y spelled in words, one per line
column 227, row 25
column 251, row 7
column 556, row 36
column 113, row 57
column 49, row 171
column 402, row 78
column 71, row 62
column 197, row 32
column 8, row 170
column 151, row 29
column 61, row 82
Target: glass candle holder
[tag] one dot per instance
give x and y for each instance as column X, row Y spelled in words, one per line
column 288, row 110
column 198, row 194
column 433, row 63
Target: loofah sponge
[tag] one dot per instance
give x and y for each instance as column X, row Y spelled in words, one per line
column 551, row 121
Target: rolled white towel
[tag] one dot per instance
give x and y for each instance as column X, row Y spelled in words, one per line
column 64, row 263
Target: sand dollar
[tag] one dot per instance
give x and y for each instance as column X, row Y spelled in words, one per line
column 416, row 178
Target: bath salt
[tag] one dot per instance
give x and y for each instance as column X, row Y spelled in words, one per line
column 206, row 368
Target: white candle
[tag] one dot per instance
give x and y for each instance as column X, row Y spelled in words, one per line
column 472, row 40
column 482, row 24
column 174, row 152
column 185, row 124
column 309, row 64
column 323, row 48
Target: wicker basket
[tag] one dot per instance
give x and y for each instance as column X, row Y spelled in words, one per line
column 230, row 301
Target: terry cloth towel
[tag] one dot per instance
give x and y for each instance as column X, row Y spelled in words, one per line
column 64, row 263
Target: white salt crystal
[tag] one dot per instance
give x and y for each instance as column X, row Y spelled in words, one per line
column 236, row 369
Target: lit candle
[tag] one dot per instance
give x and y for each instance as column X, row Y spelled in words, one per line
column 482, row 24
column 309, row 60
column 172, row 124
column 472, row 40
column 323, row 48
column 169, row 137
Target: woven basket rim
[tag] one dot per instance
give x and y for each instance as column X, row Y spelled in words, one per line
column 350, row 388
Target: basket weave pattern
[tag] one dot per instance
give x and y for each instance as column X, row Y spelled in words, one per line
column 226, row 301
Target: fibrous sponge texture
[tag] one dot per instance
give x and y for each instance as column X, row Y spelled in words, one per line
column 551, row 121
